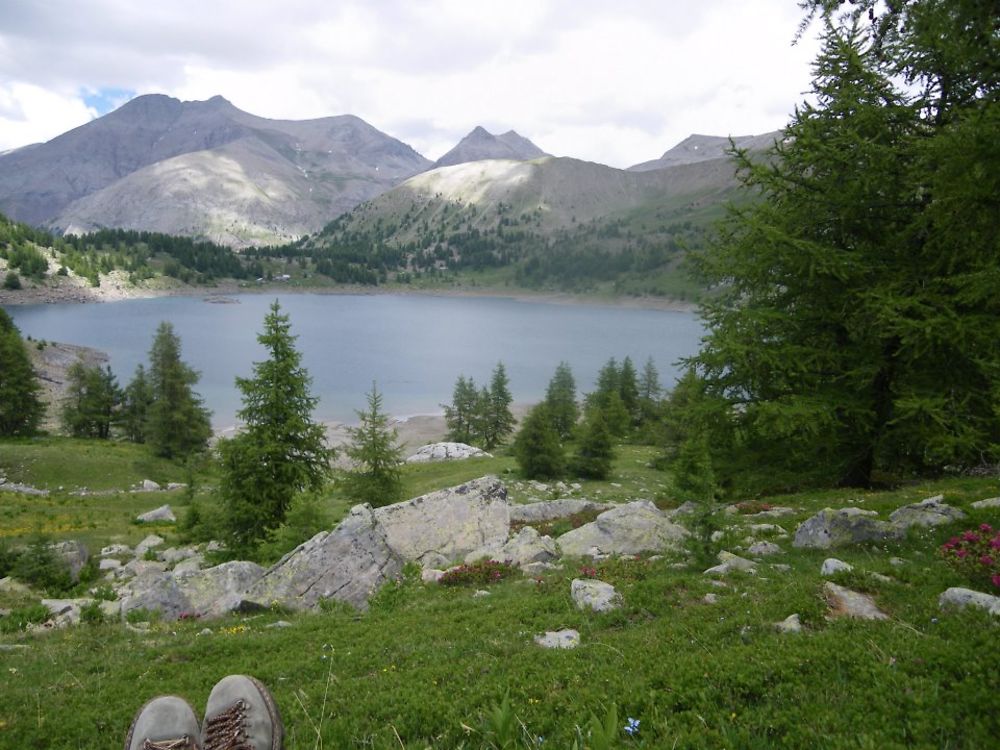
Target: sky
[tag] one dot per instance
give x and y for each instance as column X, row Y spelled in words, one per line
column 612, row 82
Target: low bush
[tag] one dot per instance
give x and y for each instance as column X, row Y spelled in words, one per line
column 976, row 554
column 480, row 573
column 19, row 619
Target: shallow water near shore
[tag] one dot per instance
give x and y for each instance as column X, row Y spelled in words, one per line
column 414, row 347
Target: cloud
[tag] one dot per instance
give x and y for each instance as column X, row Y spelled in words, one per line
column 616, row 84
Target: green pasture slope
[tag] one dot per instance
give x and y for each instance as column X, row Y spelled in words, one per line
column 432, row 666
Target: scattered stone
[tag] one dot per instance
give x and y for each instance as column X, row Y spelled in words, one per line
column 73, row 553
column 832, row 565
column 685, row 509
column 558, row 639
column 214, row 546
column 768, row 528
column 776, row 512
column 279, row 625
column 480, row 593
column 175, row 555
column 629, row 529
column 446, row 452
column 728, row 562
column 554, row 509
column 718, row 584
column 219, row 590
column 846, row 603
column 897, row 561
column 790, row 624
column 834, row 528
column 781, row 567
column 161, row 514
column 23, row 489
column 139, row 568
column 959, row 598
column 881, row 578
column 171, row 486
column 718, row 535
column 710, row 598
column 930, row 512
column 150, row 542
column 596, row 595
column 148, row 485
column 189, row 565
column 990, row 502
column 763, row 549
column 205, row 631
column 431, row 575
column 116, row 550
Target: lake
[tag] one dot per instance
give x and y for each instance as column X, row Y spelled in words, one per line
column 413, row 346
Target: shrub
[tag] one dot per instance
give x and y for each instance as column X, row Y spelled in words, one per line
column 41, row 567
column 21, row 618
column 12, row 281
column 975, row 554
column 480, row 573
column 91, row 613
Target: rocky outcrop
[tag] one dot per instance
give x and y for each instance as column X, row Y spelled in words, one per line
column 216, row 591
column 629, row 529
column 552, row 510
column 446, row 452
column 347, row 564
column 930, row 512
column 835, row 528
column 448, row 524
column 524, row 548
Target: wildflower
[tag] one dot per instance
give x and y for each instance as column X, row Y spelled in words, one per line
column 996, row 581
column 970, row 536
column 995, row 543
column 986, row 528
column 631, row 727
column 962, row 552
column 986, row 560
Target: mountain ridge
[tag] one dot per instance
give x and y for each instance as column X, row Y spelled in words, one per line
column 481, row 145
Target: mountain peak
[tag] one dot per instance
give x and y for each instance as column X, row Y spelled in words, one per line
column 481, row 144
column 698, row 147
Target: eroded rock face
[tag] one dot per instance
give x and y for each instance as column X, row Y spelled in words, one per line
column 347, row 564
column 449, row 523
column 834, row 528
column 629, row 529
column 930, row 512
column 553, row 509
column 446, row 452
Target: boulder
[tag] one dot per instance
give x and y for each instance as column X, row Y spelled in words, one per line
column 835, row 528
column 431, row 575
column 446, row 452
column 148, row 485
column 728, row 562
column 450, row 523
column 524, row 548
column 73, row 553
column 846, row 603
column 790, row 624
column 109, row 563
column 768, row 528
column 189, row 564
column 551, row 510
column 347, row 564
column 538, row 568
column 832, row 565
column 930, row 512
column 116, row 550
column 595, row 595
column 150, row 542
column 216, row 591
column 156, row 593
column 174, row 555
column 990, row 502
column 629, row 529
column 959, row 598
column 138, row 568
column 558, row 639
column 161, row 514
column 763, row 549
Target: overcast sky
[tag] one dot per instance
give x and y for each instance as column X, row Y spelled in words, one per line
column 613, row 82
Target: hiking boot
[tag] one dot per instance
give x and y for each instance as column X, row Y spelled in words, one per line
column 164, row 723
column 241, row 715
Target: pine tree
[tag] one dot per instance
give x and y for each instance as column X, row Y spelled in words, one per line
column 628, row 389
column 560, row 399
column 136, row 400
column 21, row 409
column 650, row 393
column 595, row 452
column 280, row 452
column 537, row 448
column 498, row 421
column 461, row 415
column 177, row 424
column 92, row 400
column 376, row 477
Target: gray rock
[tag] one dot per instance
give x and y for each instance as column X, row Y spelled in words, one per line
column 73, row 553
column 139, row 568
column 991, row 502
column 768, row 528
column 959, row 598
column 189, row 565
column 150, row 542
column 558, row 639
column 162, row 514
column 763, row 549
column 148, row 485
column 538, row 568
column 684, row 509
column 790, row 624
column 781, row 567
column 598, row 596
column 832, row 565
column 431, row 575
column 776, row 512
column 451, row 522
column 216, row 591
column 174, row 555
column 728, row 562
column 846, row 603
column 175, row 486
column 551, row 510
column 279, row 625
column 116, row 550
column 446, row 452
column 109, row 564
column 710, row 598
column 524, row 548
column 347, row 564
column 629, row 529
column 930, row 512
column 897, row 561
column 155, row 593
column 479, row 594
column 835, row 528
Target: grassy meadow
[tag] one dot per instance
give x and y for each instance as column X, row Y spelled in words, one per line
column 435, row 666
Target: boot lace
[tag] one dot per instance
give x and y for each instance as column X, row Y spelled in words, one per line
column 227, row 729
column 184, row 743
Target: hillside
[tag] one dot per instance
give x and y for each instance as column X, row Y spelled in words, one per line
column 481, row 144
column 698, row 148
column 204, row 169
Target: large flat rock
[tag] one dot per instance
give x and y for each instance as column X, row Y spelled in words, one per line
column 629, row 529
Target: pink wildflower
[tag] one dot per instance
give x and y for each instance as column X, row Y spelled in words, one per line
column 995, row 544
column 986, row 560
column 970, row 536
column 962, row 552
column 985, row 527
column 996, row 581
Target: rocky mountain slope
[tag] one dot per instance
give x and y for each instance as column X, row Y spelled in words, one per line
column 481, row 144
column 698, row 148
column 205, row 169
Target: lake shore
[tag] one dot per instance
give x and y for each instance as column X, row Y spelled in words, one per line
column 116, row 288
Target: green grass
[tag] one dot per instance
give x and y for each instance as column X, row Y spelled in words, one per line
column 427, row 664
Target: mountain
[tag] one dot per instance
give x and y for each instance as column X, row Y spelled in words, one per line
column 697, row 148
column 205, row 169
column 481, row 144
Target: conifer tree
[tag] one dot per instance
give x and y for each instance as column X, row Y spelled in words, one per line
column 177, row 424
column 136, row 400
column 281, row 451
column 560, row 399
column 376, row 477
column 21, row 409
column 595, row 452
column 628, row 389
column 537, row 448
column 499, row 421
column 92, row 400
column 650, row 392
column 461, row 415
